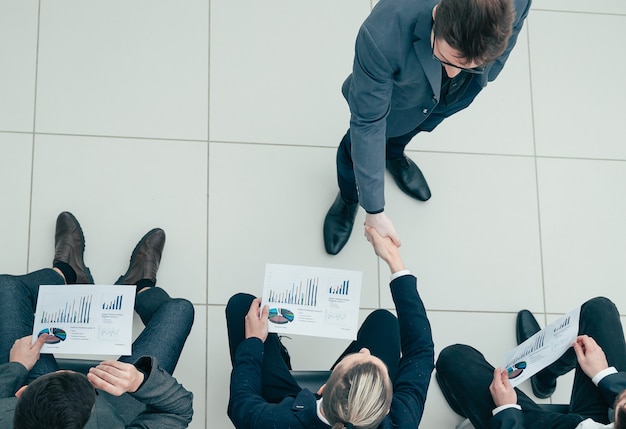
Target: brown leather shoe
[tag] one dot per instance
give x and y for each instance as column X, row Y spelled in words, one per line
column 69, row 246
column 145, row 259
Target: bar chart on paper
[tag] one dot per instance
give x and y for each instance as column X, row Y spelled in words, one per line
column 312, row 300
column 75, row 311
column 114, row 304
column 303, row 292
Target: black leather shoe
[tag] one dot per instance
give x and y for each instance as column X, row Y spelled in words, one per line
column 145, row 259
column 526, row 326
column 409, row 178
column 69, row 246
column 338, row 224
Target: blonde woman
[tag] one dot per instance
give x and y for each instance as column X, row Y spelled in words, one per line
column 370, row 386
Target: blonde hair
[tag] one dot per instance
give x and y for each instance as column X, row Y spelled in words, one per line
column 359, row 395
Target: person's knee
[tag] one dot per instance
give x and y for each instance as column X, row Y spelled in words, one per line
column 183, row 306
column 382, row 317
column 599, row 305
column 238, row 302
column 451, row 357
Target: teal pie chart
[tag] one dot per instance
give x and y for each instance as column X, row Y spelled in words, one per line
column 280, row 316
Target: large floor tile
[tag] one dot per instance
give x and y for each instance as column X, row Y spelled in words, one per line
column 18, row 50
column 583, row 231
column 15, row 182
column 499, row 121
column 276, row 77
column 475, row 244
column 120, row 189
column 578, row 107
column 115, row 68
column 267, row 205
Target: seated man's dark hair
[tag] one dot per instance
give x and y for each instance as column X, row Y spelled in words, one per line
column 478, row 29
column 60, row 400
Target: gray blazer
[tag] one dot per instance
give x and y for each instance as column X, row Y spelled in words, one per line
column 395, row 85
column 160, row 402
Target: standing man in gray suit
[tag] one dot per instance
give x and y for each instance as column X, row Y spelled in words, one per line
column 416, row 63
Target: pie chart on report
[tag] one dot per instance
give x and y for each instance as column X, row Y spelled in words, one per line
column 280, row 316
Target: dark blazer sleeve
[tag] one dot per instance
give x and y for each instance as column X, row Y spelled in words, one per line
column 369, row 98
column 168, row 403
column 12, row 377
column 247, row 408
column 611, row 386
column 511, row 418
column 417, row 362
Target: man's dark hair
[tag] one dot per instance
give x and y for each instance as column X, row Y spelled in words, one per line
column 60, row 400
column 478, row 29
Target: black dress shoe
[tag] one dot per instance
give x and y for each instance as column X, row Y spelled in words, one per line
column 338, row 224
column 409, row 178
column 526, row 326
column 145, row 259
column 69, row 246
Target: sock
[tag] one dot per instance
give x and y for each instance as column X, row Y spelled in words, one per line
column 144, row 283
column 68, row 272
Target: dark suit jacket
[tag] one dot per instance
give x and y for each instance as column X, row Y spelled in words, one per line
column 512, row 418
column 160, row 402
column 248, row 409
column 395, row 85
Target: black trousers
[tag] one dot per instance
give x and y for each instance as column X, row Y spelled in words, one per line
column 379, row 333
column 464, row 375
column 395, row 145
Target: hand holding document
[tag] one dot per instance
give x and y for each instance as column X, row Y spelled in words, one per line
column 543, row 348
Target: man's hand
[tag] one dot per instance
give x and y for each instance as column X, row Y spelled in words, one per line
column 256, row 320
column 383, row 225
column 385, row 249
column 590, row 356
column 501, row 390
column 115, row 377
column 26, row 352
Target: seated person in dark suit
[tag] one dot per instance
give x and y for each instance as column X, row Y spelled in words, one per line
column 476, row 390
column 135, row 391
column 379, row 381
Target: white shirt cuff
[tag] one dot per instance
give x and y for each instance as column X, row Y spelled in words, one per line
column 599, row 376
column 504, row 407
column 400, row 274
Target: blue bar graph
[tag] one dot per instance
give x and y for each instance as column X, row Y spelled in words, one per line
column 115, row 304
column 341, row 289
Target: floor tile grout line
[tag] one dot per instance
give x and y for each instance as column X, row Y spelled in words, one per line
column 534, row 134
column 578, row 12
column 208, row 160
column 32, row 147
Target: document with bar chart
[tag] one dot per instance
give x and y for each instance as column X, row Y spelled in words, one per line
column 85, row 319
column 320, row 302
column 543, row 348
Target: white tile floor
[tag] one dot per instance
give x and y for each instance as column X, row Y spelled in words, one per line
column 218, row 121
